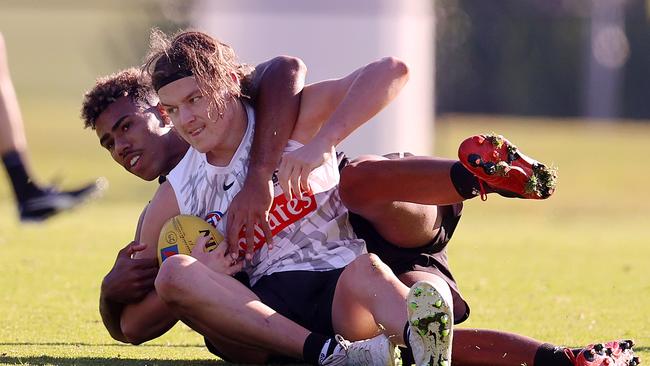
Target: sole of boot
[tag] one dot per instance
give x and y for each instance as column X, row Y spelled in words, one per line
column 431, row 319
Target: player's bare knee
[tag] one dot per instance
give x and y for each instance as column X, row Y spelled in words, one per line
column 368, row 265
column 170, row 281
column 377, row 264
column 361, row 277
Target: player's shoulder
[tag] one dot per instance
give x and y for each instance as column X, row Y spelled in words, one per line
column 163, row 201
column 163, row 206
column 164, row 192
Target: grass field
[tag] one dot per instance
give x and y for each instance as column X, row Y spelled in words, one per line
column 569, row 270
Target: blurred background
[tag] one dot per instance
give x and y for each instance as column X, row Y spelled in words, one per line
column 566, row 80
column 561, row 58
column 539, row 57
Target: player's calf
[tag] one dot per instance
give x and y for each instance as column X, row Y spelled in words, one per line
column 174, row 279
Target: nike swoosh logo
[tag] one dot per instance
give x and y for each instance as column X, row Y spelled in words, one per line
column 227, row 186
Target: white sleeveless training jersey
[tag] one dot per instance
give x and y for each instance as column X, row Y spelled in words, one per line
column 312, row 233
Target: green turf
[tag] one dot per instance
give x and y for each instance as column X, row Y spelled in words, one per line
column 569, row 270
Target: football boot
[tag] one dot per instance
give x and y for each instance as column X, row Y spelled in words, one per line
column 498, row 163
column 613, row 353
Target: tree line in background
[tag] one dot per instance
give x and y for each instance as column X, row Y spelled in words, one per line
column 532, row 57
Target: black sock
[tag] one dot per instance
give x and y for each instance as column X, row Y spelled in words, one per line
column 24, row 187
column 407, row 354
column 315, row 345
column 550, row 355
column 466, row 184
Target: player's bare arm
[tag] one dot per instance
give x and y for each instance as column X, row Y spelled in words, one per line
column 150, row 317
column 128, row 281
column 339, row 107
column 275, row 89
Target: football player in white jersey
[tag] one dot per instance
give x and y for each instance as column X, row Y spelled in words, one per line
column 515, row 347
column 196, row 79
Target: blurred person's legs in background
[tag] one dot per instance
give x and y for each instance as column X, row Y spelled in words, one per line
column 35, row 203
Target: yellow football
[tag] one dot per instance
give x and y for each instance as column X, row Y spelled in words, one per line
column 180, row 233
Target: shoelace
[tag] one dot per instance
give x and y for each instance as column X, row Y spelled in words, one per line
column 482, row 188
column 345, row 344
column 339, row 353
column 362, row 354
column 570, row 355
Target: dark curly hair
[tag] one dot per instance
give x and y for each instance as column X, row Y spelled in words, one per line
column 193, row 53
column 130, row 83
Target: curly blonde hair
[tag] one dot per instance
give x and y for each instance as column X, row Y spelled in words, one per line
column 126, row 83
column 193, row 53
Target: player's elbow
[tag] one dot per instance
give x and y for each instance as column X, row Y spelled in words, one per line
column 133, row 334
column 290, row 65
column 395, row 67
